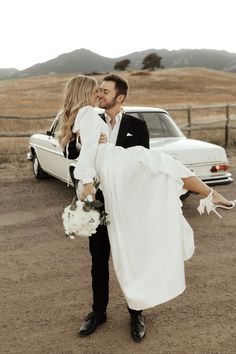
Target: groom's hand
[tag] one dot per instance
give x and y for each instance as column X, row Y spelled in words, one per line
column 103, row 139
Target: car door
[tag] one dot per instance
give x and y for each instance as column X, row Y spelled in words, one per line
column 59, row 165
column 50, row 154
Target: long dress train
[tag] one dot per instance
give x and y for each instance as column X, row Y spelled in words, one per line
column 149, row 236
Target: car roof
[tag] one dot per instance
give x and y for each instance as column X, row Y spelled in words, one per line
column 132, row 109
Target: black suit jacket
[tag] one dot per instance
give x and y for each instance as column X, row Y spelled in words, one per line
column 132, row 132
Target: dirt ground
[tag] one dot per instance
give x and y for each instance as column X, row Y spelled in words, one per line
column 45, row 280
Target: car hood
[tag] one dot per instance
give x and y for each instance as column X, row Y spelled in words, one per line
column 190, row 151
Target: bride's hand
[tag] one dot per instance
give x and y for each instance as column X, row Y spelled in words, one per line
column 88, row 190
column 103, row 139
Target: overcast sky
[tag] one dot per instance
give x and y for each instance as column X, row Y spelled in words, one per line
column 34, row 31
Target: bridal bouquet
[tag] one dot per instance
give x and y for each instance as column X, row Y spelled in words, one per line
column 81, row 218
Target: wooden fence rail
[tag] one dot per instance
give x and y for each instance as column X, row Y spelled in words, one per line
column 189, row 127
column 27, row 117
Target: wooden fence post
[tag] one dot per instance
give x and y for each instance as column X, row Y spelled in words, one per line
column 227, row 126
column 189, row 117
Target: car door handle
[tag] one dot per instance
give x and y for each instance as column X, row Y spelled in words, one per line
column 54, row 145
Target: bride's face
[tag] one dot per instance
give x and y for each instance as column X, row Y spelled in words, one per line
column 94, row 98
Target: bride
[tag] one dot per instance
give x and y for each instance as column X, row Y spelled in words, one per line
column 149, row 236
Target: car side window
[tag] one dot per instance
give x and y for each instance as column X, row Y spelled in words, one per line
column 55, row 128
column 135, row 115
column 155, row 124
column 159, row 124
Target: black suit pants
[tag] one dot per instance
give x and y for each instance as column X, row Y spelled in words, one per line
column 99, row 247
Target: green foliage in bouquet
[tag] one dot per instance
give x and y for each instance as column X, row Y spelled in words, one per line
column 94, row 205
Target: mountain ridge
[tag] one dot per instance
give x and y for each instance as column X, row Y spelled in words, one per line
column 85, row 61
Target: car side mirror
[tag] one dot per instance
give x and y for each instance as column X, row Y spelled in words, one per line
column 49, row 133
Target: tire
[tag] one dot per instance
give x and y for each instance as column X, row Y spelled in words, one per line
column 39, row 173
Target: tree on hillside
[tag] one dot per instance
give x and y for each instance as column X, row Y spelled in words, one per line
column 122, row 65
column 152, row 61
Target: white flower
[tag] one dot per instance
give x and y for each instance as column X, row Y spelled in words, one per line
column 78, row 222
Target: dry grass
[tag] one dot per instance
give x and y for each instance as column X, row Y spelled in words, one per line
column 40, row 96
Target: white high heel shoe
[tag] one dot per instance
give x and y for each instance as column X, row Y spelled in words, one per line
column 207, row 203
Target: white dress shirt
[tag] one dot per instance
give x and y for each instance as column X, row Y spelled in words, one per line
column 113, row 131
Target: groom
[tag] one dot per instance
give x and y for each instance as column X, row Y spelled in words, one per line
column 125, row 131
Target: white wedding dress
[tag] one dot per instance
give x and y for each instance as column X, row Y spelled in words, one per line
column 149, row 236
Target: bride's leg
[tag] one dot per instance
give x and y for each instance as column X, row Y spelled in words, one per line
column 194, row 184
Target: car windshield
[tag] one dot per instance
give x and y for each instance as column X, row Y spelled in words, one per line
column 160, row 125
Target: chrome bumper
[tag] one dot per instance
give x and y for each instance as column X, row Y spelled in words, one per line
column 218, row 180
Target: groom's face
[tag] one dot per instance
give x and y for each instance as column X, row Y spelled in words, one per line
column 107, row 96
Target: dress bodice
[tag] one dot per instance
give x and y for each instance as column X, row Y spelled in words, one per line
column 89, row 113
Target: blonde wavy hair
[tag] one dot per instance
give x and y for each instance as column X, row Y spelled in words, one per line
column 78, row 94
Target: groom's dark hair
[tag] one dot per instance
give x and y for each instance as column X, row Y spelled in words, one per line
column 120, row 83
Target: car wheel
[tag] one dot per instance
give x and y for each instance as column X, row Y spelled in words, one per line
column 37, row 169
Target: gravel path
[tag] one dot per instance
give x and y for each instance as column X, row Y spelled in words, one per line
column 45, row 281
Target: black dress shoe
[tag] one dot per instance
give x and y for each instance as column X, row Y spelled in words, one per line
column 92, row 321
column 138, row 327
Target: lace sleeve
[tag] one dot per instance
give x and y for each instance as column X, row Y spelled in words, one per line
column 87, row 121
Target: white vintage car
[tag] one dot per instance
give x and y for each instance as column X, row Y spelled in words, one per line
column 208, row 161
